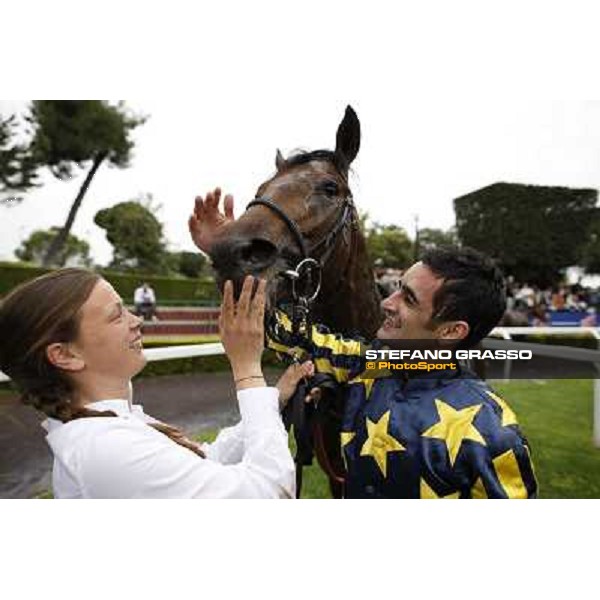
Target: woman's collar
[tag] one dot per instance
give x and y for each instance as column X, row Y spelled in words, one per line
column 117, row 405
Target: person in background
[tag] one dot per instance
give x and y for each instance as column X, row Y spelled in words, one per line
column 558, row 298
column 144, row 300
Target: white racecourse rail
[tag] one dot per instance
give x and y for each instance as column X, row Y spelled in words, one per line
column 506, row 333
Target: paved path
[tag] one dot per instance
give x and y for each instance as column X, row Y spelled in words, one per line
column 193, row 402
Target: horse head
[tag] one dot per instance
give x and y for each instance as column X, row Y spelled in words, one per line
column 304, row 210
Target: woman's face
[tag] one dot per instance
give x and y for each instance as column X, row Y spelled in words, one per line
column 110, row 339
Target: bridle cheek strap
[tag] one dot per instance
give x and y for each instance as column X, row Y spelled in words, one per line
column 328, row 241
column 266, row 201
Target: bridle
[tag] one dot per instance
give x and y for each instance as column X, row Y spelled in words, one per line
column 327, row 241
column 306, row 285
column 313, row 260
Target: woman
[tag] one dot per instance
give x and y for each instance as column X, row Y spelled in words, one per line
column 72, row 348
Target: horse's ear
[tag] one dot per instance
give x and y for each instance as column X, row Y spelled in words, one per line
column 279, row 160
column 347, row 140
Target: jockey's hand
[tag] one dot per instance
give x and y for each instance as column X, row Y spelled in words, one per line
column 314, row 395
column 291, row 377
column 207, row 221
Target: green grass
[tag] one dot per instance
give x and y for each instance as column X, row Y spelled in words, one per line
column 557, row 418
column 314, row 482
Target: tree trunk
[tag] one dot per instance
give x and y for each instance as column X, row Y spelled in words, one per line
column 59, row 241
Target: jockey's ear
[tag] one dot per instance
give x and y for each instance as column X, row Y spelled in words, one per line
column 347, row 140
column 453, row 330
column 279, row 160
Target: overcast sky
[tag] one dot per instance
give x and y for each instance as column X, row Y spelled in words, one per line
column 444, row 111
column 417, row 154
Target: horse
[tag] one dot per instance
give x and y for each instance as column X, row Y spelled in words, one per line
column 306, row 210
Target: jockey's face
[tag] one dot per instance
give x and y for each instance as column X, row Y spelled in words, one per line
column 409, row 311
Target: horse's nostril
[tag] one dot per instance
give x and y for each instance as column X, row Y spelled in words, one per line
column 259, row 252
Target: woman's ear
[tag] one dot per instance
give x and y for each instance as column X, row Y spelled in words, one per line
column 61, row 355
column 454, row 330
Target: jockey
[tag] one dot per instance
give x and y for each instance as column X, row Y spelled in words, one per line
column 442, row 435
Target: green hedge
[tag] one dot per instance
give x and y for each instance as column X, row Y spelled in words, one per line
column 12, row 274
column 169, row 290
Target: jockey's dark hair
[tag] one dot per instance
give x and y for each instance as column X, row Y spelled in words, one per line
column 473, row 290
column 41, row 312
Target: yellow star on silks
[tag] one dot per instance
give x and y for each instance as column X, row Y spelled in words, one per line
column 346, row 437
column 455, row 426
column 508, row 416
column 379, row 442
column 428, row 493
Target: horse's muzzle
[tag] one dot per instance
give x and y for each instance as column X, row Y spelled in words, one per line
column 235, row 258
column 238, row 257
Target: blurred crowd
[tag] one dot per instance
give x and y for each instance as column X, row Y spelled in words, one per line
column 526, row 304
column 539, row 303
column 387, row 280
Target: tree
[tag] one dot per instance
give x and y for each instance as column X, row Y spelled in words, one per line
column 533, row 231
column 363, row 221
column 18, row 170
column 590, row 255
column 430, row 238
column 75, row 252
column 136, row 236
column 390, row 245
column 190, row 264
column 69, row 133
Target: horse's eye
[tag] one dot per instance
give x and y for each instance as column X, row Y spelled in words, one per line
column 329, row 187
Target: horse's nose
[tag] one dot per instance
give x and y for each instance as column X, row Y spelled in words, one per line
column 255, row 254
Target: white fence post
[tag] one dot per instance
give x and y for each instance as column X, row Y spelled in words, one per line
column 597, row 409
column 597, row 396
column 508, row 363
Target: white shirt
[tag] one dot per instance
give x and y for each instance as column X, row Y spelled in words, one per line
column 123, row 457
column 143, row 295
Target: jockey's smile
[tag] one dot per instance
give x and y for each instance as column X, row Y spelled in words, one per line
column 409, row 310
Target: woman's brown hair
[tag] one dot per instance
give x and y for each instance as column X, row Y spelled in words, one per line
column 41, row 312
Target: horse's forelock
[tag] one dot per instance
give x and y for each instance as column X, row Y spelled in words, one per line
column 301, row 157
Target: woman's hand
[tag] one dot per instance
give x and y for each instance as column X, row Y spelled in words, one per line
column 207, row 222
column 242, row 329
column 291, row 377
